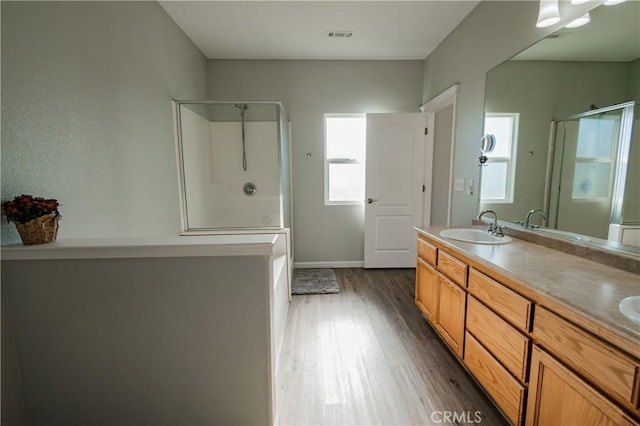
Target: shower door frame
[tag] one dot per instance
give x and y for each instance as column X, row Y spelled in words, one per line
column 621, row 160
column 184, row 218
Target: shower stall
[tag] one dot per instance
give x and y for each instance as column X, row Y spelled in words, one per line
column 593, row 178
column 234, row 166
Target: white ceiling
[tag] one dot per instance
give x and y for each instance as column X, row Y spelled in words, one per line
column 297, row 29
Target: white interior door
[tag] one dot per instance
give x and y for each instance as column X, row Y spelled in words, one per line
column 395, row 185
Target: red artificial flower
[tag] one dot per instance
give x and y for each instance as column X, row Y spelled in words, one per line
column 24, row 208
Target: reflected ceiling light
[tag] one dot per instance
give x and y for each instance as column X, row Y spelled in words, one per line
column 613, row 2
column 549, row 13
column 583, row 20
column 579, row 1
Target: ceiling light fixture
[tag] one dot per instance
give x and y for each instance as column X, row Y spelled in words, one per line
column 548, row 14
column 583, row 20
column 613, row 2
column 575, row 2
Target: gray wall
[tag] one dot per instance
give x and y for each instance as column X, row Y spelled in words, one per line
column 631, row 206
column 634, row 83
column 86, row 112
column 441, row 169
column 490, row 34
column 143, row 341
column 86, row 119
column 12, row 406
column 309, row 89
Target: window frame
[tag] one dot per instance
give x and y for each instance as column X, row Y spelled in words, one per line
column 510, row 161
column 329, row 161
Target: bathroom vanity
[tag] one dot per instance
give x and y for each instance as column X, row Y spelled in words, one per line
column 538, row 329
column 178, row 330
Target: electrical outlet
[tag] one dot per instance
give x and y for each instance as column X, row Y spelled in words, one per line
column 469, row 186
column 458, row 185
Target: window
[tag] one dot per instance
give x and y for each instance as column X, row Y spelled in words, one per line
column 595, row 158
column 344, row 146
column 499, row 174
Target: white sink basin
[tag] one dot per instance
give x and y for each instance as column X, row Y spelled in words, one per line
column 630, row 307
column 570, row 235
column 471, row 235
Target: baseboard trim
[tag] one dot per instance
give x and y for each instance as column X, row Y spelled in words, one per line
column 351, row 264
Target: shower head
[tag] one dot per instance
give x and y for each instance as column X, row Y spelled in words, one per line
column 242, row 108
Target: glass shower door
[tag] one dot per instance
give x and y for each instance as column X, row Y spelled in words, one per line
column 588, row 173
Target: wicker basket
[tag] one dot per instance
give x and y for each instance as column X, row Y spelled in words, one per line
column 40, row 230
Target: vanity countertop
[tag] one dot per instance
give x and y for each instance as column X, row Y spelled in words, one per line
column 556, row 279
column 119, row 248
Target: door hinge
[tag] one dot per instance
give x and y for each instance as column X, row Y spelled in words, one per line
column 426, row 130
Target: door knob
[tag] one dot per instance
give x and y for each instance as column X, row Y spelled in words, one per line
column 371, row 200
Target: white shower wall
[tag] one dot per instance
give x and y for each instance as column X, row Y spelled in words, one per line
column 196, row 152
column 214, row 176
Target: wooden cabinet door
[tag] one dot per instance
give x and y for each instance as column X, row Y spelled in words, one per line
column 559, row 397
column 451, row 306
column 427, row 291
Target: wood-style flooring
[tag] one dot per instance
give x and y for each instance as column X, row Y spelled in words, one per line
column 366, row 356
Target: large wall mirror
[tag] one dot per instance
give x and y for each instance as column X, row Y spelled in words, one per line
column 564, row 114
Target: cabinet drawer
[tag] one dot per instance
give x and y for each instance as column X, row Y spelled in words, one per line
column 590, row 357
column 503, row 388
column 508, row 304
column 453, row 268
column 505, row 342
column 427, row 251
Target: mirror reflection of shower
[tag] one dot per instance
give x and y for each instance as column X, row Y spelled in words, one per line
column 243, row 108
column 593, row 160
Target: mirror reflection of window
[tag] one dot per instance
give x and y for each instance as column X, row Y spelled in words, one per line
column 498, row 174
column 595, row 157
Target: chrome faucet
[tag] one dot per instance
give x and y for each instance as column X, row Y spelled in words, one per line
column 531, row 213
column 493, row 229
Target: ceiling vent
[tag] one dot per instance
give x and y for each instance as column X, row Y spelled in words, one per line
column 339, row 34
